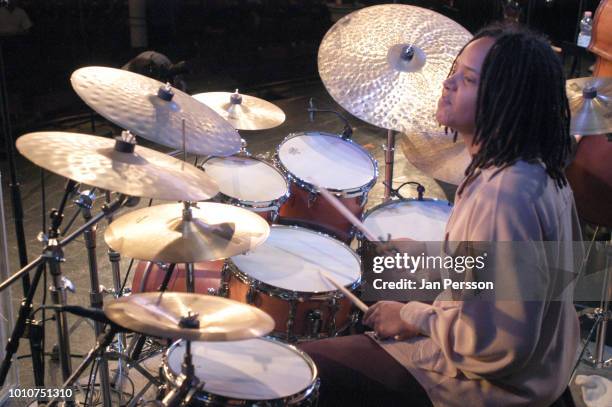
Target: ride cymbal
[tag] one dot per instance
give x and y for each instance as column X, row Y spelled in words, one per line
column 385, row 64
column 136, row 103
column 166, row 233
column 243, row 112
column 194, row 317
column 96, row 161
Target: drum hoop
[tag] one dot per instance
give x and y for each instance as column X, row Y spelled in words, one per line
column 367, row 213
column 301, row 395
column 345, row 193
column 289, row 295
column 261, row 206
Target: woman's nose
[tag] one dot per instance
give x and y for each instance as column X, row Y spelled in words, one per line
column 449, row 83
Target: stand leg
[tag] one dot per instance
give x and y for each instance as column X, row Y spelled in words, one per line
column 389, row 160
column 605, row 307
column 115, row 258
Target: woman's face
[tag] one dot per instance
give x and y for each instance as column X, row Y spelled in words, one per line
column 457, row 105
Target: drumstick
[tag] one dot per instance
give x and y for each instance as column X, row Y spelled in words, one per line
column 347, row 214
column 358, row 303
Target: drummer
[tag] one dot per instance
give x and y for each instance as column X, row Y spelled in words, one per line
column 505, row 96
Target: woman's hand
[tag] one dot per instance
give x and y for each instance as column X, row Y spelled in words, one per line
column 384, row 317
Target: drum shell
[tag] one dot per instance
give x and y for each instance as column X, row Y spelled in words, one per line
column 314, row 212
column 306, row 398
column 336, row 311
column 207, row 276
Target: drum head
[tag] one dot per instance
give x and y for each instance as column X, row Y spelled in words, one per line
column 253, row 369
column 327, row 161
column 418, row 220
column 291, row 258
column 246, row 179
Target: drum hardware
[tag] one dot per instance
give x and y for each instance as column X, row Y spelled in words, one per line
column 136, row 103
column 243, row 112
column 313, row 322
column 290, row 334
column 347, row 131
column 52, row 256
column 251, row 295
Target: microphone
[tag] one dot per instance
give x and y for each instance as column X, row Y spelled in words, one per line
column 311, row 109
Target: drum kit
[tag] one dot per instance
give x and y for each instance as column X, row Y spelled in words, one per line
column 216, row 272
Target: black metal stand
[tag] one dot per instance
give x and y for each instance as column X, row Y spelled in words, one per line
column 17, row 207
column 52, row 256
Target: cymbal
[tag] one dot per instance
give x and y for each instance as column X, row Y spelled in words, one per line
column 243, row 112
column 94, row 161
column 168, row 315
column 131, row 101
column 589, row 100
column 161, row 233
column 385, row 64
column 435, row 154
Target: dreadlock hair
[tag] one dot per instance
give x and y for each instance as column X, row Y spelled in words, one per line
column 522, row 112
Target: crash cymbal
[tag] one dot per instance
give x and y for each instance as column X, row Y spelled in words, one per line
column 589, row 100
column 194, row 317
column 435, row 154
column 385, row 64
column 162, row 233
column 95, row 161
column 243, row 112
column 132, row 101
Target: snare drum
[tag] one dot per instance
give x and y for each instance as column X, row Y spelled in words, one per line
column 149, row 277
column 246, row 373
column 326, row 160
column 423, row 220
column 282, row 278
column 250, row 183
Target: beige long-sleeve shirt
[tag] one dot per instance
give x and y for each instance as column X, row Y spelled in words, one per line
column 501, row 353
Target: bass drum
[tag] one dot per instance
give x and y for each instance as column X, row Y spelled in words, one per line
column 148, row 277
column 252, row 372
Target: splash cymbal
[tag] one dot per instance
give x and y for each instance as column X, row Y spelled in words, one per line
column 135, row 102
column 95, row 161
column 194, row 317
column 243, row 112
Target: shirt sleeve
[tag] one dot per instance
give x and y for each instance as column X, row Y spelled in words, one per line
column 491, row 338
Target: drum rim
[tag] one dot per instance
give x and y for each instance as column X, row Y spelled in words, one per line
column 360, row 190
column 271, row 204
column 390, row 202
column 170, row 376
column 289, row 295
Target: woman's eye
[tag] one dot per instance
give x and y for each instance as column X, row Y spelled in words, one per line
column 469, row 79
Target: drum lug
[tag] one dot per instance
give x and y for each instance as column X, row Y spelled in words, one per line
column 251, row 295
column 291, row 319
column 333, row 306
column 313, row 323
column 274, row 215
column 224, row 285
column 312, row 197
column 363, row 200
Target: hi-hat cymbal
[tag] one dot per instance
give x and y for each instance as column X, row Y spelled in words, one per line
column 385, row 64
column 162, row 233
column 94, row 161
column 589, row 100
column 131, row 101
column 194, row 317
column 435, row 153
column 244, row 112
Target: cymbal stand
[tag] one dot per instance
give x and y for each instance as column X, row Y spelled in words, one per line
column 188, row 383
column 85, row 202
column 52, row 256
column 189, row 270
column 389, row 150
